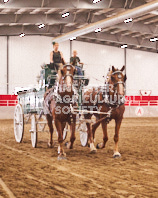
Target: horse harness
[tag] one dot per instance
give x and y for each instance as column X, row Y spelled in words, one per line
column 54, row 95
column 106, row 98
column 119, row 76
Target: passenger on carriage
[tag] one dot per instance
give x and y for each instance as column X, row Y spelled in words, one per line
column 56, row 57
column 75, row 61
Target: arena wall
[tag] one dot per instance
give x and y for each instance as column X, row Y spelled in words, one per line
column 97, row 59
column 26, row 57
column 8, row 112
column 142, row 70
column 137, row 106
column 27, row 54
column 3, row 65
column 143, row 111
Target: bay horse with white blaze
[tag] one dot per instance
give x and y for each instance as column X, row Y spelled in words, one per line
column 110, row 99
column 59, row 107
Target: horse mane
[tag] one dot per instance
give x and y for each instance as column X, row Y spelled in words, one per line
column 108, row 76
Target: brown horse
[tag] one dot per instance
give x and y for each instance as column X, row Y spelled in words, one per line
column 58, row 106
column 110, row 99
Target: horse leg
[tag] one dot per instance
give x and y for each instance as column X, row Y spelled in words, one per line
column 59, row 127
column 90, row 138
column 63, row 126
column 105, row 136
column 94, row 127
column 50, row 125
column 72, row 137
column 116, row 138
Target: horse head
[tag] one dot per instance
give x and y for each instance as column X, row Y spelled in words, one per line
column 66, row 80
column 67, row 73
column 116, row 82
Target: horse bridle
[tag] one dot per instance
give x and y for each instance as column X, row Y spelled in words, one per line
column 119, row 76
column 115, row 85
column 68, row 70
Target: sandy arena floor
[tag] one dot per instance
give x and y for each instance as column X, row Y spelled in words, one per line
column 36, row 173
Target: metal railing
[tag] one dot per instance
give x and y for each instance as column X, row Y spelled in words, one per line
column 127, row 103
column 8, row 103
column 141, row 103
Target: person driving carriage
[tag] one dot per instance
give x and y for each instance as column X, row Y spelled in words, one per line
column 75, row 60
column 56, row 57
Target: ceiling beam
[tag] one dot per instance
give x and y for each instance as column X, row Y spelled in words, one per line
column 119, row 39
column 116, row 45
column 64, row 4
column 111, row 21
column 29, row 30
column 138, row 27
column 79, row 20
column 43, row 18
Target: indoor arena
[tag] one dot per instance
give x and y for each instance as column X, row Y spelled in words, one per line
column 78, row 98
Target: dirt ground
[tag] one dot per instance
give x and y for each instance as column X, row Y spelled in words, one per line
column 36, row 173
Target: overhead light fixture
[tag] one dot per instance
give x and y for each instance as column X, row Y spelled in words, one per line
column 153, row 39
column 72, row 38
column 41, row 26
column 5, row 1
column 128, row 20
column 96, row 1
column 22, row 35
column 65, row 14
column 98, row 30
column 124, row 46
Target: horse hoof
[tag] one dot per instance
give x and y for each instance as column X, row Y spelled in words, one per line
column 66, row 144
column 93, row 151
column 69, row 145
column 62, row 157
column 49, row 145
column 92, row 148
column 116, row 155
column 99, row 146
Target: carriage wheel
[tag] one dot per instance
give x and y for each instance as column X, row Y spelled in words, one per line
column 18, row 123
column 33, row 131
column 83, row 134
column 41, row 126
column 64, row 132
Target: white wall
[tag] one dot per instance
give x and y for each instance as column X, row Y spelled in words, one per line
column 26, row 57
column 97, row 59
column 142, row 70
column 3, row 65
column 27, row 54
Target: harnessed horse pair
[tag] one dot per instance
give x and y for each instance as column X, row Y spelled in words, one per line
column 114, row 110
